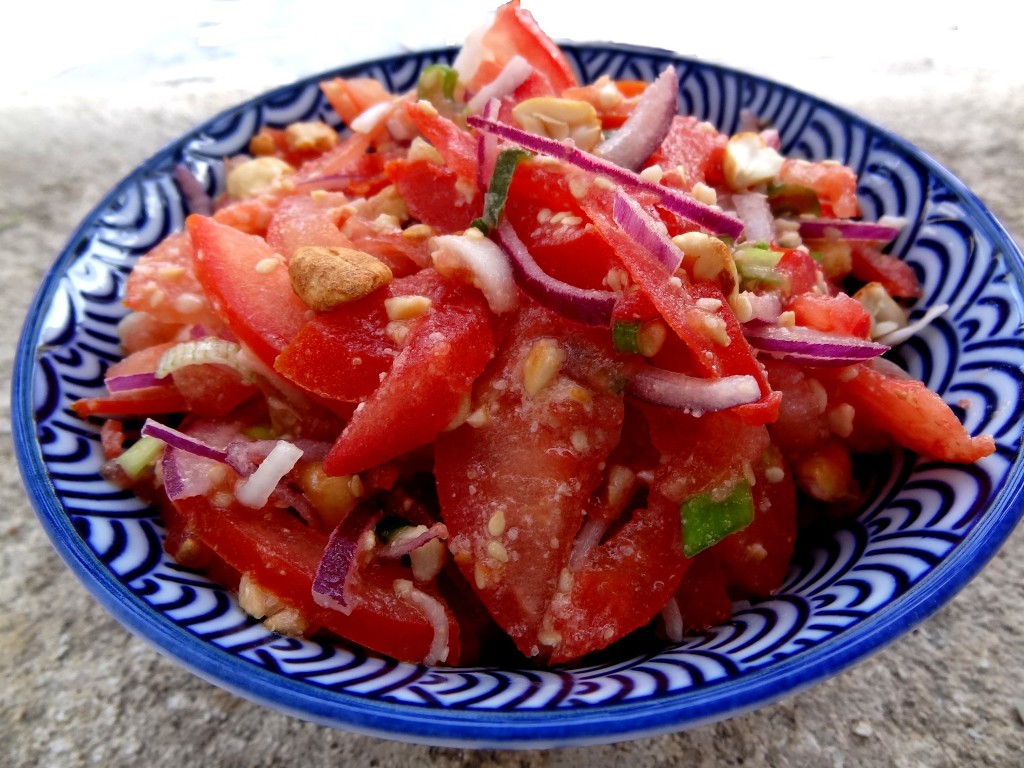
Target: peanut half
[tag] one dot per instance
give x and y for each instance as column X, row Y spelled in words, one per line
column 325, row 278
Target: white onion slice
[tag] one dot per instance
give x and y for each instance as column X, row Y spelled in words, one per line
column 255, row 490
column 758, row 222
column 486, row 263
column 902, row 334
column 209, row 349
column 693, row 395
column 434, row 613
column 512, row 75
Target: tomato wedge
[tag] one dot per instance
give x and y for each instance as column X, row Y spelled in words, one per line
column 249, row 286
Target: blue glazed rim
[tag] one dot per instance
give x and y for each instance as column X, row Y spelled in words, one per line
column 504, row 729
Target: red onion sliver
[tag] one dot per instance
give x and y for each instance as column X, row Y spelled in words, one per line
column 812, row 347
column 195, row 194
column 693, row 395
column 183, row 442
column 674, row 200
column 487, row 149
column 514, row 74
column 132, row 381
column 756, row 213
column 647, row 231
column 584, row 305
column 332, row 585
column 814, row 229
column 647, row 125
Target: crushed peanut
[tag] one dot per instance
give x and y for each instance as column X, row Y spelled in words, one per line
column 315, row 136
column 407, row 307
column 325, row 278
column 542, row 364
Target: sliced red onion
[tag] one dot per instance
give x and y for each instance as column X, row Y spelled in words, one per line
column 811, row 347
column 285, row 497
column 256, row 489
column 816, row 229
column 367, row 120
column 646, row 126
column 195, row 194
column 693, row 395
column 514, row 74
column 902, row 334
column 435, row 614
column 411, row 537
column 487, row 148
column 183, row 442
column 584, row 305
column 648, row 232
column 132, row 381
column 756, row 213
column 336, row 573
column 486, row 263
column 674, row 200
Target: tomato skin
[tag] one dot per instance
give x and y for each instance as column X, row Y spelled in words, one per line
column 421, row 393
column 351, row 96
column 799, row 270
column 832, row 314
column 138, row 402
column 513, row 490
column 703, row 597
column 457, row 146
column 257, row 304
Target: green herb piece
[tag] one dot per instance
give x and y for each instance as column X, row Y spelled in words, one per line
column 497, row 192
column 707, row 521
column 437, row 80
column 140, row 456
column 625, row 336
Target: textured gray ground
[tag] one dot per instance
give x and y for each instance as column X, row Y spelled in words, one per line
column 77, row 689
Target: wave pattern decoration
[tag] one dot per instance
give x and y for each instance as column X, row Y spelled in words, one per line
column 923, row 510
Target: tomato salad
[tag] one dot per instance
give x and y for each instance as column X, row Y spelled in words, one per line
column 511, row 361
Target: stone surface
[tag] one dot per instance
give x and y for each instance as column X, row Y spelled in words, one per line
column 77, row 689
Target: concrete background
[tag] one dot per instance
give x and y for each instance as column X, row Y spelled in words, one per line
column 77, row 689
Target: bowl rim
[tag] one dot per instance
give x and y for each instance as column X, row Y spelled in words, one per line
column 475, row 728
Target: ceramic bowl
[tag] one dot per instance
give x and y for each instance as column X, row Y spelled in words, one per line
column 928, row 529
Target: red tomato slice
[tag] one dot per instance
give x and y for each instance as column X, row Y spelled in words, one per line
column 703, row 597
column 692, row 152
column 163, row 284
column 351, row 96
column 138, row 402
column 615, row 110
column 871, row 265
column 570, row 252
column 513, row 489
column 249, row 286
column 435, row 195
column 457, row 146
column 621, row 585
column 446, row 351
column 306, row 220
column 831, row 314
column 906, row 409
column 835, row 185
column 211, row 390
column 799, row 270
column 281, row 555
column 516, row 32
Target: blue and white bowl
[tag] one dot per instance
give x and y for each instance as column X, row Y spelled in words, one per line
column 928, row 530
